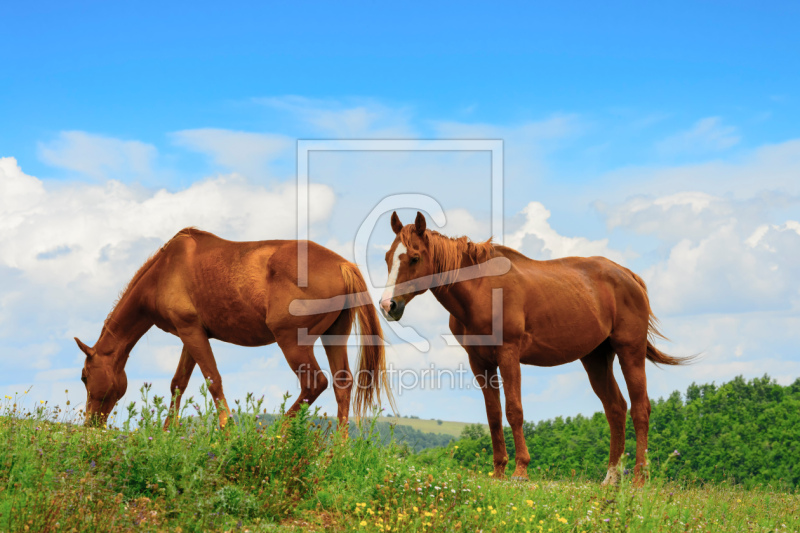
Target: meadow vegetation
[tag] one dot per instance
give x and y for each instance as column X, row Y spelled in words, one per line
column 301, row 473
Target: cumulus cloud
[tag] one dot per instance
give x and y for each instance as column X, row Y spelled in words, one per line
column 66, row 244
column 719, row 256
column 99, row 157
column 676, row 216
column 706, row 135
column 537, row 239
column 247, row 152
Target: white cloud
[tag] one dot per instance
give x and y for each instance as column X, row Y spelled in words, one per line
column 68, row 249
column 247, row 152
column 99, row 157
column 357, row 119
column 770, row 174
column 673, row 217
column 537, row 239
column 707, row 135
column 552, row 128
column 719, row 256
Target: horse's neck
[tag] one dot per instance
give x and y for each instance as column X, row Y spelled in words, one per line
column 123, row 328
column 456, row 297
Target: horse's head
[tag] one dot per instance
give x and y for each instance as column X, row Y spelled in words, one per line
column 411, row 270
column 104, row 385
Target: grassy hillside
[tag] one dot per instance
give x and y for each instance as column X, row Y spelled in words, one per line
column 430, row 426
column 296, row 475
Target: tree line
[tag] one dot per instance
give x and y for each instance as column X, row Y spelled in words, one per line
column 745, row 431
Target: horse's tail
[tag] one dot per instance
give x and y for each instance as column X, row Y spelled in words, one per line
column 371, row 377
column 654, row 354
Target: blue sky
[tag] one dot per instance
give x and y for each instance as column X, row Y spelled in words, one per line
column 662, row 136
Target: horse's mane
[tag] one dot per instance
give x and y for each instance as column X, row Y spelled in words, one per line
column 447, row 252
column 144, row 268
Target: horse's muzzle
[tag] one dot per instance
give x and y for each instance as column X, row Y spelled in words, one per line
column 393, row 309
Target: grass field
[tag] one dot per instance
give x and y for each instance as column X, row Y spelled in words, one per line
column 298, row 475
column 430, row 426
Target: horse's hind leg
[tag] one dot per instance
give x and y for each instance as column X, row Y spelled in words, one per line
column 599, row 365
column 632, row 360
column 178, row 386
column 301, row 358
column 340, row 369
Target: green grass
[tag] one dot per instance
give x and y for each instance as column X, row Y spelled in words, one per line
column 430, row 426
column 298, row 475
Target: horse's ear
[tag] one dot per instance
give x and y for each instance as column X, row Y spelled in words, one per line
column 85, row 349
column 396, row 224
column 420, row 224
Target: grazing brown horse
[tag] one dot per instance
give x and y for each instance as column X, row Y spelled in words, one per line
column 200, row 287
column 550, row 313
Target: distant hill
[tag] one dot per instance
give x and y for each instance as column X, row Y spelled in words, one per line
column 416, row 433
column 453, row 429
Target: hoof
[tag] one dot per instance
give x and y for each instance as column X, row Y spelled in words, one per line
column 519, row 478
column 612, row 478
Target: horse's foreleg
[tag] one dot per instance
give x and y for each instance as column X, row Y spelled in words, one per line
column 487, row 379
column 599, row 366
column 631, row 360
column 178, row 386
column 195, row 342
column 512, row 385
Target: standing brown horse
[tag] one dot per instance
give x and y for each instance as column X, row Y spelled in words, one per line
column 550, row 313
column 201, row 287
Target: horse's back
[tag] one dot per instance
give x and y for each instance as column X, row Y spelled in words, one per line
column 231, row 287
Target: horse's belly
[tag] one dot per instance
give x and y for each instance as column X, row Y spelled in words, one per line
column 559, row 351
column 242, row 334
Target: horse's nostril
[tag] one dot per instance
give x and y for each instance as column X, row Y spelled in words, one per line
column 392, row 305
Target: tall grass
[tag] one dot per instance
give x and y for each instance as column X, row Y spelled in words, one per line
column 301, row 473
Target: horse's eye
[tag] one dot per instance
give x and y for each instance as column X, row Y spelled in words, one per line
column 414, row 260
